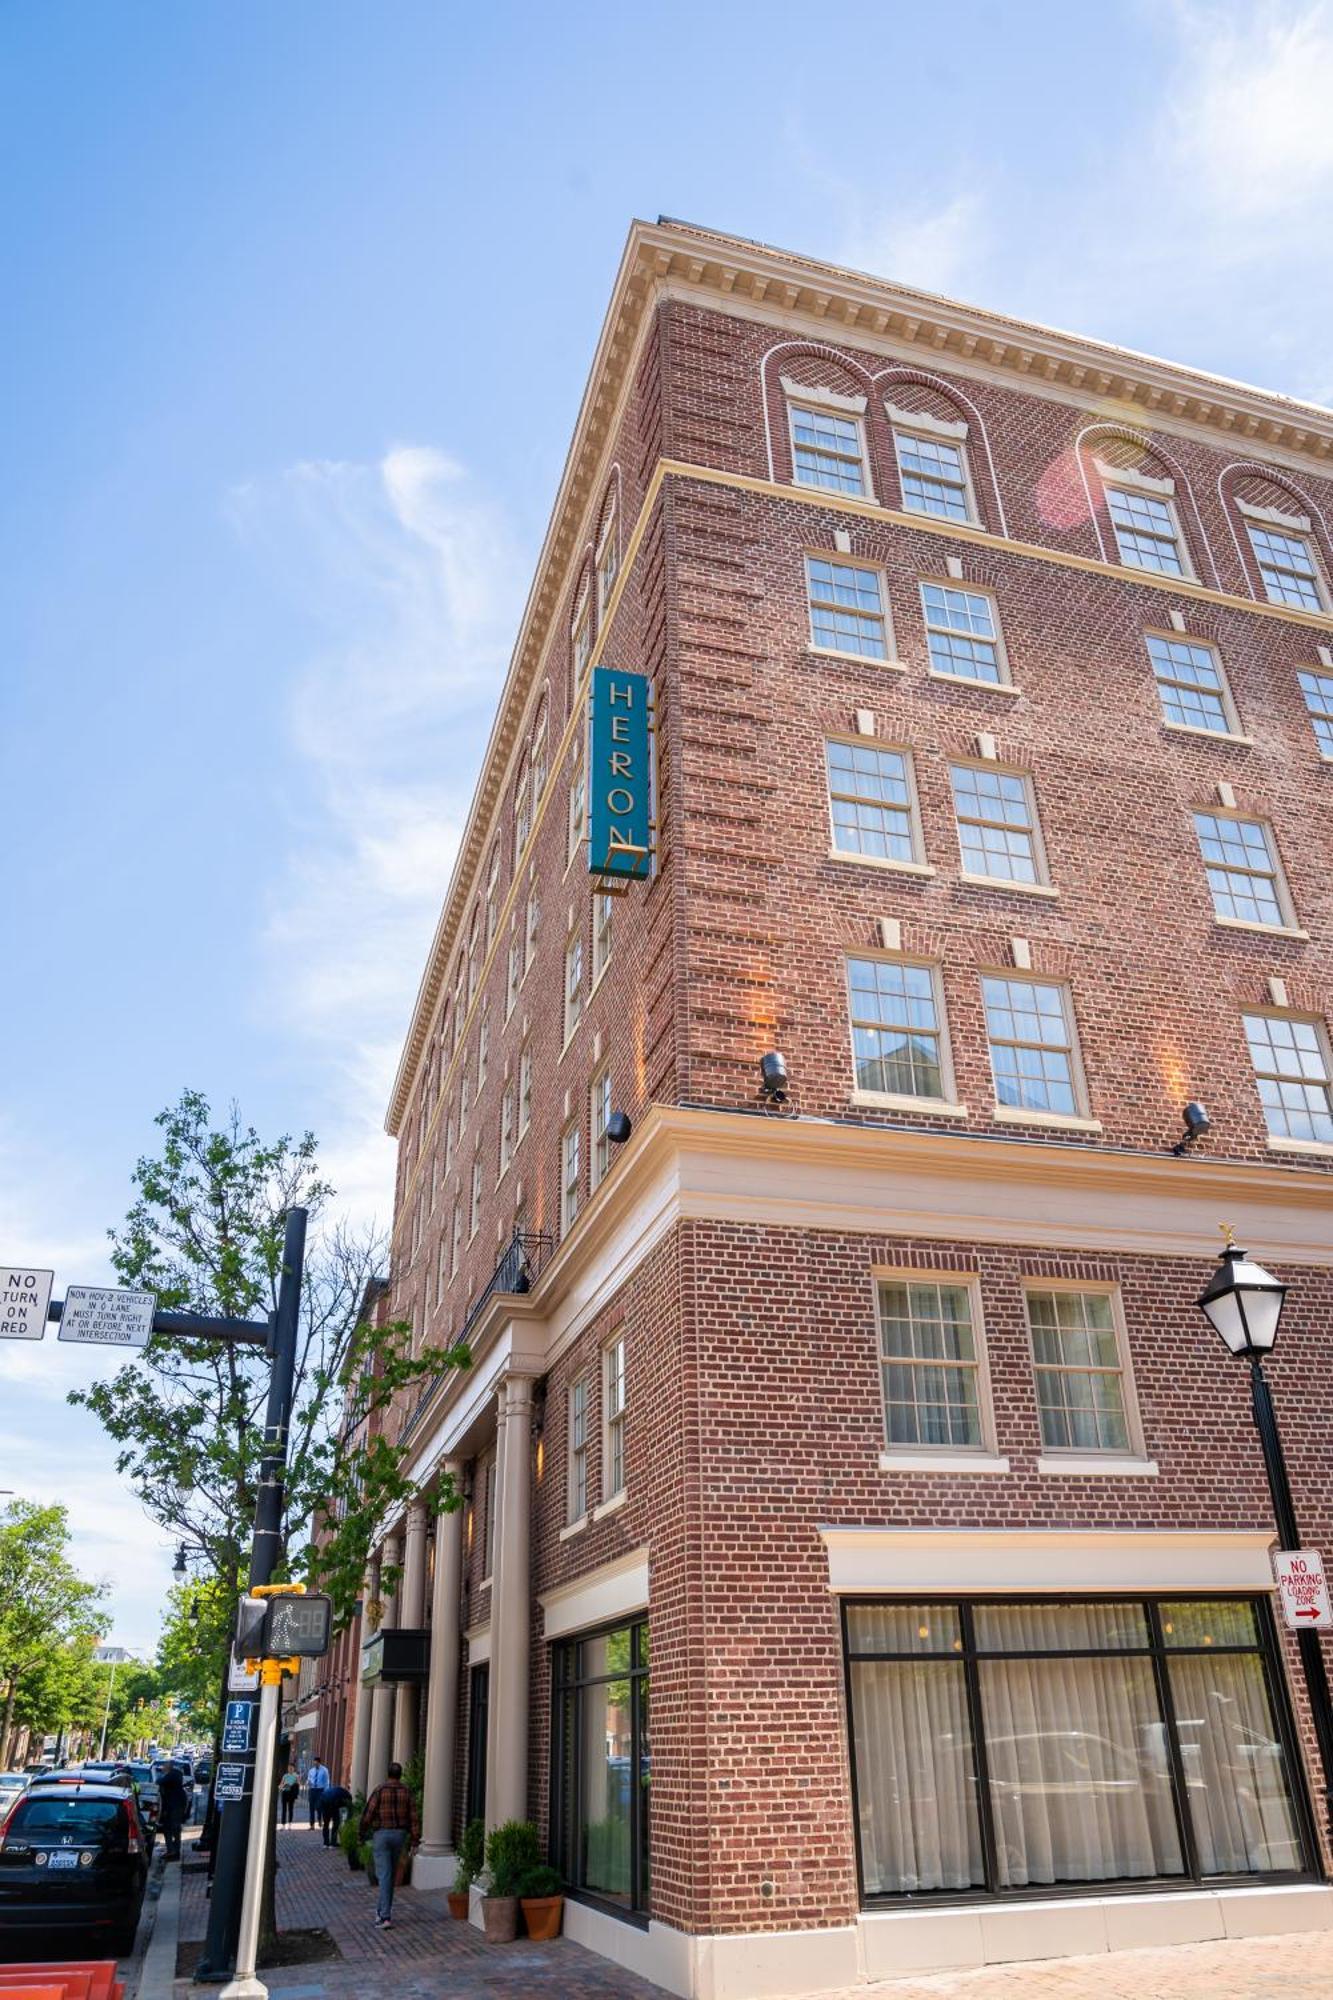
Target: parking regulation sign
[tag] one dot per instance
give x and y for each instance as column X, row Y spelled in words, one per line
column 102, row 1317
column 1303, row 1588
column 230, row 1782
column 24, row 1296
column 236, row 1728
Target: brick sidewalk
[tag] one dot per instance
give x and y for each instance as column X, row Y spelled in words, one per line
column 426, row 1954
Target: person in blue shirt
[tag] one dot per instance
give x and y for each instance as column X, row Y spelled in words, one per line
column 317, row 1783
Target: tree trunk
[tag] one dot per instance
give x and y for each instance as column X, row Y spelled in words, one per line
column 7, row 1731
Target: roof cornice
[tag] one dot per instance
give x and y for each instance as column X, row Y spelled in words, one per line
column 663, row 256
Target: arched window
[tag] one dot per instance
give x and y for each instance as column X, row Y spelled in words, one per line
column 1137, row 504
column 607, row 554
column 940, row 463
column 1281, row 543
column 818, row 411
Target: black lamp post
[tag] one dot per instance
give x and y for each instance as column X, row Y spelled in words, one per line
column 1243, row 1303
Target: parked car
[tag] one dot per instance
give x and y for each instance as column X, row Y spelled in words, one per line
column 73, row 1857
column 12, row 1783
column 150, row 1799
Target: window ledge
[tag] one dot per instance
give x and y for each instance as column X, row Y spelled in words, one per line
column 575, row 1528
column 592, row 990
column 922, row 868
column 485, row 1583
column 1061, row 1121
column 611, row 1506
column 569, row 1039
column 1261, row 930
column 1326, row 756
column 972, row 681
column 1210, row 735
column 870, row 660
column 885, row 1100
column 1079, row 1465
column 941, row 1461
column 1016, row 888
column 1319, row 1147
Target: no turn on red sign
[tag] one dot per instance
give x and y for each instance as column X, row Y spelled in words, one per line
column 1303, row 1588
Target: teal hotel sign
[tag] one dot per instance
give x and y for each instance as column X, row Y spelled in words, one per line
column 620, row 777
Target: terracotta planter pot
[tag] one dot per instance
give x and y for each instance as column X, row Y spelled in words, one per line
column 458, row 1903
column 499, row 1914
column 542, row 1916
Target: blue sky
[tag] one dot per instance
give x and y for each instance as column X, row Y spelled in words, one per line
column 300, row 305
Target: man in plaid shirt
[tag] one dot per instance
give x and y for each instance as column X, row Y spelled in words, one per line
column 389, row 1821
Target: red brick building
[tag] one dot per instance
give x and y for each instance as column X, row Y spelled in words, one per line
column 850, row 1474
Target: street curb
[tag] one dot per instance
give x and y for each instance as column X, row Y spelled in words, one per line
column 158, row 1978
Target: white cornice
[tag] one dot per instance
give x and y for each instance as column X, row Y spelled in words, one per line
column 820, row 298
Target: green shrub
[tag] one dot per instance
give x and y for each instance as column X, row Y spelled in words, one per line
column 349, row 1838
column 471, row 1855
column 512, row 1851
column 541, row 1881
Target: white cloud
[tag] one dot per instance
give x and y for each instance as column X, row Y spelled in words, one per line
column 936, row 248
column 416, row 576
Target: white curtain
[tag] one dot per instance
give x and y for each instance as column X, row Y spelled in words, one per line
column 914, row 1778
column 1235, row 1773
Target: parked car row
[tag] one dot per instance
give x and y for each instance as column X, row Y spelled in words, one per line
column 74, row 1850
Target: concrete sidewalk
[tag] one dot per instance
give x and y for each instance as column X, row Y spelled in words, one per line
column 425, row 1955
column 1298, row 1966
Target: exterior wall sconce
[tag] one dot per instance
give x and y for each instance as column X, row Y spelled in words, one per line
column 1197, row 1122
column 773, row 1077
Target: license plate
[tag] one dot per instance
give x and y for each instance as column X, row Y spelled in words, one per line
column 64, row 1860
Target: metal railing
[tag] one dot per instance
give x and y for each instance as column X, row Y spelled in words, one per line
column 518, row 1269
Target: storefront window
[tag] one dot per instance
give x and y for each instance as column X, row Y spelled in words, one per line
column 601, row 1765
column 1001, row 1747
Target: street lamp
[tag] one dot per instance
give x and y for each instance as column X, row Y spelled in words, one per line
column 1243, row 1303
column 178, row 1567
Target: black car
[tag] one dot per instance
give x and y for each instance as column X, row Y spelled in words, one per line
column 73, row 1857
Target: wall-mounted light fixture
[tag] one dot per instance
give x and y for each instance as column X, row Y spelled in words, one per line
column 773, row 1077
column 1197, row 1122
column 618, row 1127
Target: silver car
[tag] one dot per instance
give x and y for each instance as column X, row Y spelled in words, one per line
column 13, row 1784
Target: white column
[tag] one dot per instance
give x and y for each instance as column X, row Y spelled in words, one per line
column 497, row 1563
column 381, row 1705
column 437, row 1815
column 370, row 1590
column 411, row 1616
column 507, row 1782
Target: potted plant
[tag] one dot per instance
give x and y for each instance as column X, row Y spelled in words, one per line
column 349, row 1839
column 471, row 1855
column 511, row 1852
column 540, row 1891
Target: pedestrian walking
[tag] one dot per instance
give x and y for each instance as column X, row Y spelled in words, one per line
column 172, row 1809
column 317, row 1783
column 288, row 1793
column 337, row 1801
column 390, row 1821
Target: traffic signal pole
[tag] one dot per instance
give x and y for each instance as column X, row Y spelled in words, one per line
column 243, row 1985
column 233, row 1831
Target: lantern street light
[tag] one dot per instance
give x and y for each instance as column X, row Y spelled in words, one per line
column 1243, row 1303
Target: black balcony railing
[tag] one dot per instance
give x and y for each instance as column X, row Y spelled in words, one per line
column 517, row 1271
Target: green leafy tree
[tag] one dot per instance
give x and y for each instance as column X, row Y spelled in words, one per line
column 205, row 1234
column 49, row 1621
column 192, row 1650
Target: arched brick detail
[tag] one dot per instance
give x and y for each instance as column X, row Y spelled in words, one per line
column 914, row 390
column 1266, row 486
column 817, row 367
column 1121, row 446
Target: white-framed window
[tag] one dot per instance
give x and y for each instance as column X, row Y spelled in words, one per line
column 524, row 1089
column 1147, row 532
column 441, row 1266
column 600, row 1104
column 571, row 1174
column 456, row 1239
column 613, row 1418
column 608, row 560
column 464, row 1096
column 1191, row 683
column 581, row 636
column 538, row 769
column 997, row 824
column 448, row 1144
column 1287, row 567
column 1244, row 875
column 827, row 449
column 578, row 812
column 513, row 969
column 963, row 635
column 1085, row 1399
column 473, row 968
column 506, row 1128
column 573, row 983
column 848, row 608
column 603, row 907
column 434, row 1182
column 474, row 1213
column 899, row 1048
column 578, row 1449
column 1291, row 1067
column 483, row 1050
column 1318, row 692
column 932, row 473
column 530, row 926
column 487, row 1481
column 460, row 1005
column 492, row 895
column 522, row 811
column 872, row 801
column 1033, row 1054
column 931, row 1364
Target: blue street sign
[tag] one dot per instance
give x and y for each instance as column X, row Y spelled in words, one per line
column 620, row 776
column 236, row 1728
